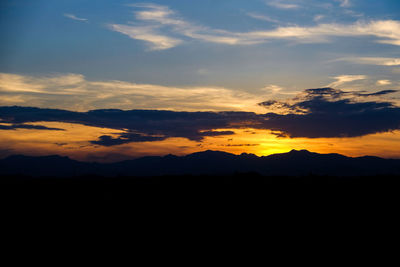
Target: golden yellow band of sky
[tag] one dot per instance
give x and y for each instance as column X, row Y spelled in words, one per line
column 74, row 142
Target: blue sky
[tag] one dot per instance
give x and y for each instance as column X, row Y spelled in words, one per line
column 251, row 49
column 303, row 74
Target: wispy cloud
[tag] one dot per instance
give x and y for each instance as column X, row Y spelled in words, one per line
column 262, row 17
column 382, row 61
column 156, row 21
column 282, row 4
column 162, row 28
column 272, row 88
column 317, row 18
column 148, row 34
column 387, row 31
column 344, row 3
column 383, row 82
column 72, row 16
column 78, row 93
column 342, row 79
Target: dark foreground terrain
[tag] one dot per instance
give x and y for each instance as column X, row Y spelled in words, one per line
column 203, row 181
column 235, row 206
column 208, row 163
column 246, row 185
column 203, row 177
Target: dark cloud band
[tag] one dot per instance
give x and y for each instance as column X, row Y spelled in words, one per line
column 325, row 112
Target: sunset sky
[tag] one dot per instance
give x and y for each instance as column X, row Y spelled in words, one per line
column 111, row 80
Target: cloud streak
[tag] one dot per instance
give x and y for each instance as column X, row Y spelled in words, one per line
column 344, row 3
column 263, row 17
column 163, row 29
column 342, row 79
column 282, row 5
column 380, row 61
column 78, row 93
column 73, row 17
column 148, row 34
column 26, row 126
column 383, row 82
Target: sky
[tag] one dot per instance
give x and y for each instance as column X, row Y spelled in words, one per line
column 231, row 75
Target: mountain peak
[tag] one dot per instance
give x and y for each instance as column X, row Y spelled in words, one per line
column 302, row 151
column 211, row 152
column 208, row 154
column 298, row 154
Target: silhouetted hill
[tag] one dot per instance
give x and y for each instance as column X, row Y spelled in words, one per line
column 293, row 163
column 46, row 166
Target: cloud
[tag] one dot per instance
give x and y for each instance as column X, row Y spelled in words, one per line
column 148, row 34
column 317, row 18
column 380, row 93
column 342, row 79
column 321, row 112
column 272, row 88
column 27, row 126
column 55, row 84
column 387, row 31
column 106, row 140
column 78, row 93
column 380, row 61
column 240, row 145
column 163, row 29
column 383, row 82
column 72, row 16
column 158, row 19
column 282, row 5
column 139, row 125
column 327, row 112
column 217, row 133
column 344, row 3
column 262, row 17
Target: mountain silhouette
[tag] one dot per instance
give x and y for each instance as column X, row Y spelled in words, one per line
column 293, row 163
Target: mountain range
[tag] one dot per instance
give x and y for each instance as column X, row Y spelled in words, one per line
column 293, row 163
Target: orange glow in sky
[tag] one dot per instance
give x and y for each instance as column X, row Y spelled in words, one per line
column 74, row 142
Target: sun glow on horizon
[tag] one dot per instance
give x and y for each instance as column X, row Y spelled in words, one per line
column 74, row 141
